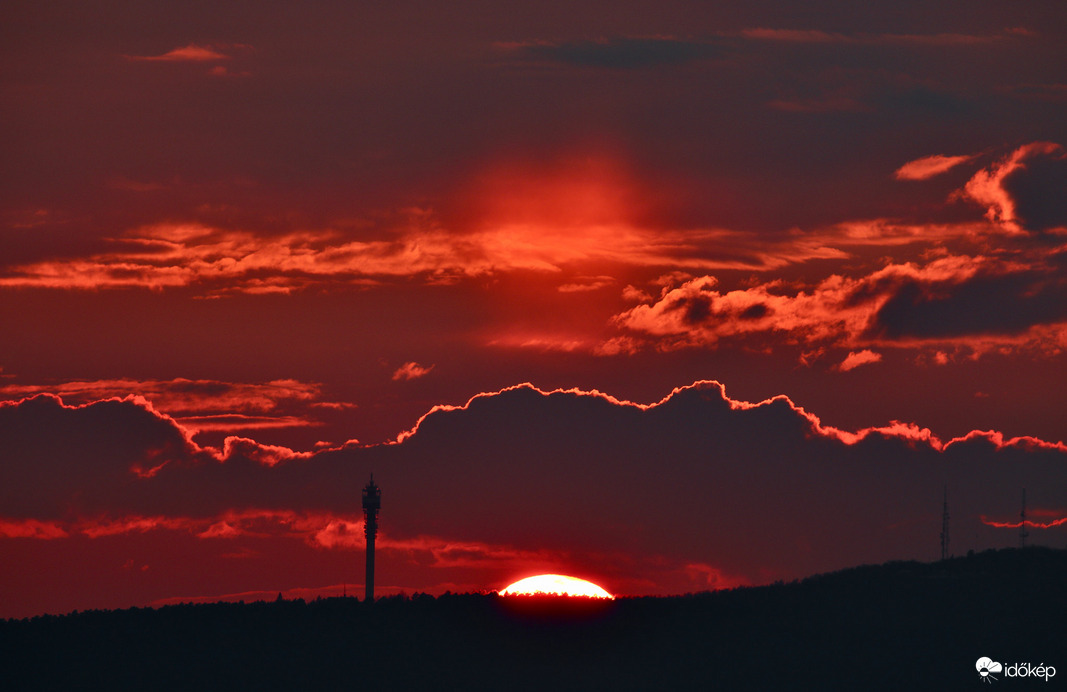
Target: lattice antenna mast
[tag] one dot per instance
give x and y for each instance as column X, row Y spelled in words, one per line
column 944, row 528
column 372, row 504
column 1023, row 533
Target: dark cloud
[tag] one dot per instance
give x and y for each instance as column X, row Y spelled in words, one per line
column 1039, row 190
column 701, row 478
column 985, row 304
column 1025, row 191
column 60, row 461
column 970, row 301
column 621, row 53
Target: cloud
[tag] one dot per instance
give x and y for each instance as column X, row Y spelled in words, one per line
column 31, row 528
column 587, row 221
column 856, row 359
column 179, row 396
column 801, row 36
column 973, row 302
column 545, row 342
column 411, row 371
column 586, row 283
column 61, row 459
column 618, row 53
column 219, row 261
column 188, row 53
column 792, row 35
column 929, row 166
column 1026, row 191
column 712, row 578
column 524, row 478
column 232, row 422
column 1018, row 524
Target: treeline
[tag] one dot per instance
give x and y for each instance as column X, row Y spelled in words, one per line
column 903, row 625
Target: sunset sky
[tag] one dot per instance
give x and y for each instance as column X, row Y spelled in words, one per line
column 668, row 296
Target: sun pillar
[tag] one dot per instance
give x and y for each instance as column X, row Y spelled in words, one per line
column 372, row 503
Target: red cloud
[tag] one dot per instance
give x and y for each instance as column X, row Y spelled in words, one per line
column 856, row 359
column 1032, row 524
column 180, row 395
column 929, row 166
column 189, row 53
column 899, row 305
column 31, row 528
column 219, row 260
column 230, row 422
column 411, row 371
column 1026, row 190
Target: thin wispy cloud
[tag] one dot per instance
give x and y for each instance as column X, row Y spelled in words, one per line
column 189, row 53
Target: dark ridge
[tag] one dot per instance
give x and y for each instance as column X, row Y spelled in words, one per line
column 901, row 625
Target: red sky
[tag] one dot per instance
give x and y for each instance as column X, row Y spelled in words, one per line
column 249, row 254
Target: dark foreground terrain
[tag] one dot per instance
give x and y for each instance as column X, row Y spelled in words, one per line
column 899, row 626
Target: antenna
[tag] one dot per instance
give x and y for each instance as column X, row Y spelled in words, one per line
column 1023, row 533
column 944, row 528
column 372, row 504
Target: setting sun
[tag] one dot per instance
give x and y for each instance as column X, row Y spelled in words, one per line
column 555, row 585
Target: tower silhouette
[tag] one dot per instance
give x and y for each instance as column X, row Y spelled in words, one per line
column 944, row 528
column 372, row 503
column 1023, row 533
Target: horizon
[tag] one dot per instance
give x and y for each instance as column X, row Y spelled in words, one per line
column 298, row 595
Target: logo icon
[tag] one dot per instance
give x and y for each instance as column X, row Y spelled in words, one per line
column 986, row 667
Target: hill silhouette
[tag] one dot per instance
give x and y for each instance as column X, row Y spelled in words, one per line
column 901, row 625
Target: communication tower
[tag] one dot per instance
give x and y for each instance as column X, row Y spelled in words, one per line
column 1023, row 533
column 372, row 503
column 944, row 528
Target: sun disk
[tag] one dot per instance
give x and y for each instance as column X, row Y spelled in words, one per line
column 555, row 585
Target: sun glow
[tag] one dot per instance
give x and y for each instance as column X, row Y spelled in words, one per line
column 555, row 585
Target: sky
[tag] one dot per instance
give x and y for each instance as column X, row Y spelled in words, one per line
column 668, row 296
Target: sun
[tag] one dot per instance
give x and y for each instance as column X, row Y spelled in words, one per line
column 555, row 585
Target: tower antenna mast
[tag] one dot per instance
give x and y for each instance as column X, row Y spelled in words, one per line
column 944, row 528
column 1023, row 533
column 372, row 504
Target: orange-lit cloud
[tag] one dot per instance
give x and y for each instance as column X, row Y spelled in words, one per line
column 411, row 371
column 229, row 422
column 855, row 359
column 267, row 455
column 31, row 528
column 895, row 305
column 188, row 53
column 1032, row 524
column 179, row 395
column 573, row 219
column 929, row 166
column 323, row 530
column 582, row 215
column 241, row 261
column 196, row 53
column 544, row 341
column 1002, row 187
column 586, row 283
